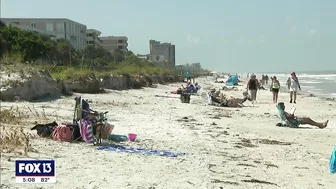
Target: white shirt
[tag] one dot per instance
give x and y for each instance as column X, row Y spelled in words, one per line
column 294, row 84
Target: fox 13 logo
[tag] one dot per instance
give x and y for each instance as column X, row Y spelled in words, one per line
column 35, row 171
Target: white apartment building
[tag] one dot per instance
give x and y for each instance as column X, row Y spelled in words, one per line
column 162, row 53
column 92, row 37
column 112, row 43
column 60, row 28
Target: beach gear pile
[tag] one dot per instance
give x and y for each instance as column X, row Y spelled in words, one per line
column 87, row 125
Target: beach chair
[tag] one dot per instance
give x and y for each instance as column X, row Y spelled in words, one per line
column 84, row 115
column 284, row 119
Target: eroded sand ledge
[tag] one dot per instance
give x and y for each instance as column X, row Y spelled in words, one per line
column 228, row 148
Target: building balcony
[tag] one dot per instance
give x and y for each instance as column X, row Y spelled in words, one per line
column 89, row 38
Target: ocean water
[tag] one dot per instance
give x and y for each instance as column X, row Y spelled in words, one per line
column 319, row 84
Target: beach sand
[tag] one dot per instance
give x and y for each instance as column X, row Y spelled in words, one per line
column 226, row 147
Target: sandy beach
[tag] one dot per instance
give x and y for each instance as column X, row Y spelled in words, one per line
column 225, row 147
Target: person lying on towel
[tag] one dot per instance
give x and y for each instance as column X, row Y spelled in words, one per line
column 223, row 101
column 302, row 120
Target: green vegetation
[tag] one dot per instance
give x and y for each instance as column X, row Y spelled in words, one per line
column 62, row 60
column 25, row 50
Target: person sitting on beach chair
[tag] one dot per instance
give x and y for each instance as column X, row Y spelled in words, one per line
column 295, row 121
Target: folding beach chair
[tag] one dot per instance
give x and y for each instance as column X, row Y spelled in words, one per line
column 284, row 119
column 98, row 120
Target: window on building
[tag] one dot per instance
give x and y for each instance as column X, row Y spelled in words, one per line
column 120, row 47
column 60, row 27
column 50, row 27
column 67, row 28
column 33, row 25
column 120, row 41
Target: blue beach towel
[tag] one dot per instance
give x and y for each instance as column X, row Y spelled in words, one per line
column 120, row 148
column 332, row 164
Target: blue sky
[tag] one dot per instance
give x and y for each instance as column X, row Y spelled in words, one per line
column 223, row 35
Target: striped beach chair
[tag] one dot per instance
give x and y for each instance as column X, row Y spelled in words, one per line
column 93, row 125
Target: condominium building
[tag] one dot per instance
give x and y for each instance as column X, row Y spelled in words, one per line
column 112, row 43
column 92, row 37
column 162, row 53
column 60, row 28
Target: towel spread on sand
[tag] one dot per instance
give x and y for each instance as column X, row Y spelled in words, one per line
column 120, row 148
column 332, row 165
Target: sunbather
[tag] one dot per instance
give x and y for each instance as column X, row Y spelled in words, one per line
column 224, row 101
column 302, row 120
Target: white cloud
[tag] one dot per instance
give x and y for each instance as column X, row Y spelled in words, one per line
column 312, row 32
column 193, row 40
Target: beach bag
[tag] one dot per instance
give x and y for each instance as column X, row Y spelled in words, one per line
column 332, row 164
column 105, row 131
column 62, row 133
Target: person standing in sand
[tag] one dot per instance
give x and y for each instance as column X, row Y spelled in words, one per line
column 275, row 87
column 293, row 86
column 302, row 120
column 252, row 86
column 188, row 76
column 266, row 77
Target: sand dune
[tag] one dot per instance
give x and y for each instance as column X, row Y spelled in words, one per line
column 226, row 147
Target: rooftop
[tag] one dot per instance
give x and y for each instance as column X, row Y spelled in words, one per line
column 44, row 19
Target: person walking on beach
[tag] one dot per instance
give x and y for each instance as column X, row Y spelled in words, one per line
column 275, row 87
column 266, row 77
column 302, row 120
column 293, row 86
column 252, row 86
column 188, row 76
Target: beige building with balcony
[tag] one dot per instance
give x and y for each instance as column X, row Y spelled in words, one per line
column 92, row 37
column 60, row 28
column 162, row 53
column 112, row 43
